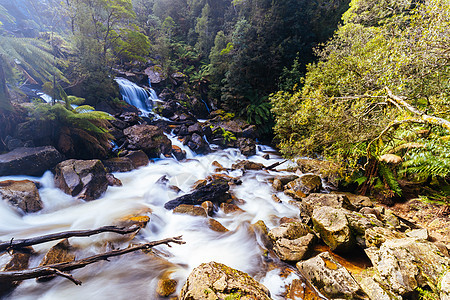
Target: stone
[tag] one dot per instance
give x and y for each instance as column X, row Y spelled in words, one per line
column 190, row 210
column 85, row 179
column 60, row 253
column 330, row 277
column 208, row 206
column 216, row 226
column 260, row 230
column 408, row 263
column 22, row 194
column 166, row 286
column 138, row 158
column 359, row 224
column 331, row 200
column 214, row 191
column 29, row 161
column 287, row 178
column 294, row 250
column 329, row 171
column 445, row 286
column 306, row 184
column 112, row 180
column 198, row 144
column 376, row 236
column 178, row 153
column 196, row 128
column 155, row 74
column 358, row 201
column 277, row 185
column 291, row 231
column 218, row 281
column 247, row 165
column 375, row 291
column 333, row 227
column 299, row 290
column 229, row 208
column 118, row 164
column 18, row 260
column 149, row 139
column 418, row 234
column 247, row 146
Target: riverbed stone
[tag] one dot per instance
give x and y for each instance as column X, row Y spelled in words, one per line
column 179, row 153
column 218, row 281
column 445, row 286
column 22, row 194
column 138, row 158
column 149, row 139
column 29, row 161
column 15, row 260
column 408, row 263
column 191, row 210
column 291, row 231
column 334, row 228
column 294, row 250
column 198, row 144
column 118, row 164
column 247, row 146
column 375, row 291
column 247, row 165
column 376, row 236
column 85, row 179
column 306, row 184
column 331, row 200
column 330, row 277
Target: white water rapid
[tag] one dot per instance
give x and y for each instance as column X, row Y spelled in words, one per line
column 136, row 275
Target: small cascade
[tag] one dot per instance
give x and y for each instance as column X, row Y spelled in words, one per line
column 136, row 95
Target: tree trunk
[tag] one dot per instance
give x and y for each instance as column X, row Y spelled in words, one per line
column 5, row 100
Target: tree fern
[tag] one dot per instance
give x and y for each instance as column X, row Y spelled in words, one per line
column 389, row 178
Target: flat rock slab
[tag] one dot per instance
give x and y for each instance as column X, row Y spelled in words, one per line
column 29, row 161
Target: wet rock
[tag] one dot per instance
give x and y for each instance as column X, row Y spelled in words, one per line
column 229, row 208
column 291, row 231
column 21, row 194
column 218, row 281
column 197, row 144
column 214, row 192
column 306, row 184
column 247, row 165
column 260, row 229
column 216, row 226
column 375, row 291
column 298, row 195
column 299, row 290
column 277, row 185
column 406, row 264
column 266, row 156
column 191, row 210
column 334, row 228
column 18, row 260
column 292, row 241
column 287, row 178
column 178, row 152
column 199, row 183
column 331, row 200
column 112, row 180
column 247, row 146
column 138, row 158
column 29, row 161
column 166, row 286
column 196, row 128
column 330, row 277
column 59, row 253
column 118, row 164
column 130, row 118
column 85, row 179
column 276, row 199
column 208, row 206
column 376, row 236
column 149, row 139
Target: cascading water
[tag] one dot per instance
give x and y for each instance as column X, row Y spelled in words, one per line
column 136, row 95
column 136, row 275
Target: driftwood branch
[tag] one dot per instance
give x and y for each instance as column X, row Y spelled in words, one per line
column 17, row 244
column 273, row 166
column 58, row 269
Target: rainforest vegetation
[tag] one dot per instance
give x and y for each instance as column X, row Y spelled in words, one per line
column 364, row 83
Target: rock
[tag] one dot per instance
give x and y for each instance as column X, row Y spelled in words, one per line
column 408, row 263
column 216, row 226
column 329, row 171
column 218, row 281
column 358, row 201
column 330, row 277
column 85, row 179
column 118, row 164
column 214, row 192
column 421, row 234
column 277, row 185
column 266, row 156
column 21, row 194
column 287, row 178
column 375, row 291
column 299, row 290
column 196, row 128
column 60, row 253
column 291, row 231
column 306, row 184
column 208, row 206
column 276, row 199
column 149, row 139
column 229, row 208
column 19, row 260
column 298, row 195
column 445, row 286
column 247, row 146
column 14, row 144
column 138, row 158
column 112, row 180
column 198, row 144
column 166, row 286
column 260, row 229
column 294, row 250
column 359, row 224
column 178, row 152
column 247, row 165
column 190, row 210
column 376, row 236
column 29, row 161
column 155, row 74
column 333, row 227
column 331, row 200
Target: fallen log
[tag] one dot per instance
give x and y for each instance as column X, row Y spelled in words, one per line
column 17, row 244
column 273, row 166
column 59, row 269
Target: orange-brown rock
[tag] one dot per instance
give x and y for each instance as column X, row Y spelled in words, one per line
column 216, row 226
column 21, row 194
column 190, row 210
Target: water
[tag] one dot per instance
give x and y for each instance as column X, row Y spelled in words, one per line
column 137, row 274
column 136, row 95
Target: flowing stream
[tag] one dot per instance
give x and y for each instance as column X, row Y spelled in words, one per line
column 136, row 275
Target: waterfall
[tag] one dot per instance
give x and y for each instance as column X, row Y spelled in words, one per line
column 136, row 95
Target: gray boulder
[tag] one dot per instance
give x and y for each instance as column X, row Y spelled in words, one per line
column 85, row 179
column 23, row 195
column 149, row 139
column 306, row 184
column 292, row 241
column 29, row 161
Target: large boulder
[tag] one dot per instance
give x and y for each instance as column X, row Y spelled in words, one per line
column 21, row 194
column 305, row 185
column 330, row 277
column 332, row 200
column 334, row 228
column 149, row 139
column 329, row 171
column 85, row 179
column 407, row 264
column 247, row 146
column 218, row 281
column 198, row 144
column 29, row 161
column 118, row 164
column 138, row 158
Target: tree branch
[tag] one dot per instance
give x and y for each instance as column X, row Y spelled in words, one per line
column 57, row 269
column 16, row 244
